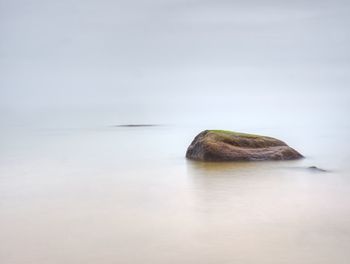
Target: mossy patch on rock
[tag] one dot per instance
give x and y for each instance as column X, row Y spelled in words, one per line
column 224, row 145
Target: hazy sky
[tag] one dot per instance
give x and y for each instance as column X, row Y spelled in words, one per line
column 103, row 52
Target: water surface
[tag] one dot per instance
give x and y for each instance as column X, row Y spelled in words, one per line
column 96, row 193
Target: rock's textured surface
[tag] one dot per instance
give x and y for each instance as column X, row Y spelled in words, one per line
column 222, row 145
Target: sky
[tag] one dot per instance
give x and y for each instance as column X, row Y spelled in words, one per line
column 169, row 52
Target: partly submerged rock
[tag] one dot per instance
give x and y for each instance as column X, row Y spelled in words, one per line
column 137, row 125
column 314, row 168
column 222, row 145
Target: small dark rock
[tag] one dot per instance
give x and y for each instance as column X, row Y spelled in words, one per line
column 314, row 168
column 137, row 125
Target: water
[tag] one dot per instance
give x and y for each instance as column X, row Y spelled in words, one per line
column 76, row 189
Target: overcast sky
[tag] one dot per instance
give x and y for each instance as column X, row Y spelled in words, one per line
column 104, row 52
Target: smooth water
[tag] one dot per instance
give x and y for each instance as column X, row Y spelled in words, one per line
column 86, row 191
column 78, row 188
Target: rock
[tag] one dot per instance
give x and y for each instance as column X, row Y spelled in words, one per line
column 137, row 125
column 222, row 145
column 314, row 168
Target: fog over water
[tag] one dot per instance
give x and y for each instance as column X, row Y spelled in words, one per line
column 76, row 186
column 152, row 53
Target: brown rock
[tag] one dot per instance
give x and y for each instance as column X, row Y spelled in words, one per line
column 222, row 145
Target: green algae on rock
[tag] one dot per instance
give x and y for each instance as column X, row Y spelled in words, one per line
column 224, row 145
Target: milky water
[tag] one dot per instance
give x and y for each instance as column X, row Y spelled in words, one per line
column 80, row 190
column 75, row 188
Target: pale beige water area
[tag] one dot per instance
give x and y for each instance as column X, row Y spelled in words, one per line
column 108, row 194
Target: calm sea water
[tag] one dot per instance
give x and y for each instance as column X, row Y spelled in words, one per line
column 76, row 189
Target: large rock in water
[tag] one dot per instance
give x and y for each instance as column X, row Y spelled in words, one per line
column 222, row 145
